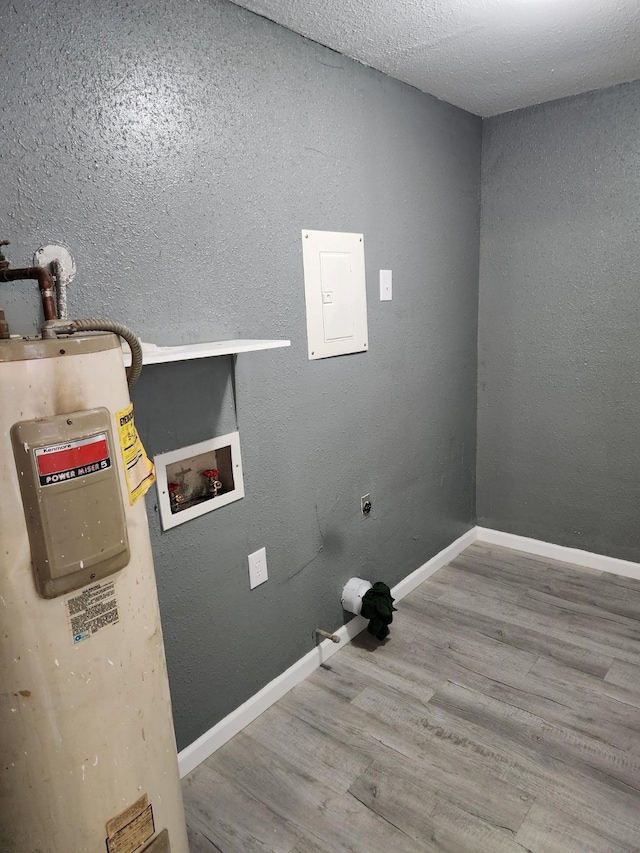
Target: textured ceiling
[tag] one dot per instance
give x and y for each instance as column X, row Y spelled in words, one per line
column 487, row 56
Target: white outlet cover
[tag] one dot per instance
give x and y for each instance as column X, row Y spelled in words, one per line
column 258, row 568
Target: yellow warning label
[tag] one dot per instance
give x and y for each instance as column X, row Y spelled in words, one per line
column 138, row 467
column 133, row 835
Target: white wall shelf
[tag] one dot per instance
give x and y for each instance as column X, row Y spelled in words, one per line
column 153, row 354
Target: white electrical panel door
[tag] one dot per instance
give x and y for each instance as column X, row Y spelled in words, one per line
column 335, row 292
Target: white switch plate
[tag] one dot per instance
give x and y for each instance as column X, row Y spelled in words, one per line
column 258, row 568
column 385, row 285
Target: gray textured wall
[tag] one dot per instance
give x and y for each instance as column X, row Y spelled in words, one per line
column 178, row 148
column 559, row 386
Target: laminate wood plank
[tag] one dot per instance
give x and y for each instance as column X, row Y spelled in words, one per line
column 432, row 780
column 520, row 564
column 434, row 656
column 428, row 816
column 603, row 705
column 442, row 640
column 385, row 716
column 470, row 612
column 576, row 788
column 517, row 569
column 495, row 756
column 426, row 722
column 199, row 843
column 592, row 635
column 615, row 632
column 458, row 576
column 580, row 703
column 294, row 797
column 351, row 726
column 383, row 725
column 522, row 561
column 345, row 684
column 431, row 587
column 232, row 819
column 445, row 624
column 623, row 582
column 546, row 829
column 389, row 669
column 506, row 716
column 310, row 748
column 307, row 844
column 624, row 674
column 600, row 589
column 603, row 614
column 592, row 595
column 508, row 756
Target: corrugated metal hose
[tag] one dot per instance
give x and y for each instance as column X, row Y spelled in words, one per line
column 99, row 324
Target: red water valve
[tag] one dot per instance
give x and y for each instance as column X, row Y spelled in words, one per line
column 213, row 476
column 175, row 496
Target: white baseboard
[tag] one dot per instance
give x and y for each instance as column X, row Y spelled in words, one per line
column 586, row 559
column 210, row 741
column 431, row 567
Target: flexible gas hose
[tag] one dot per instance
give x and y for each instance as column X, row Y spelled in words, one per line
column 97, row 324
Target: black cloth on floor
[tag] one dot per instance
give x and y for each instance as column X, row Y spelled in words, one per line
column 377, row 607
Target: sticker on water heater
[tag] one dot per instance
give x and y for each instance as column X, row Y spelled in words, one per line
column 133, row 834
column 93, row 609
column 128, row 830
column 138, row 468
column 58, row 463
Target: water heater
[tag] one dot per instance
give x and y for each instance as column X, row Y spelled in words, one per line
column 87, row 748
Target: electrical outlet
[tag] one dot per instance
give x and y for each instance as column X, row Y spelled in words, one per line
column 365, row 505
column 258, row 568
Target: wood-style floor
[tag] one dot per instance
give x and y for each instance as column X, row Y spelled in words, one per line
column 502, row 715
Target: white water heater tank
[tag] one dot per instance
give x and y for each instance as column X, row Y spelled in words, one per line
column 87, row 748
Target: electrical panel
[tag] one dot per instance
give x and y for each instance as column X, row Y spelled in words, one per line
column 335, row 293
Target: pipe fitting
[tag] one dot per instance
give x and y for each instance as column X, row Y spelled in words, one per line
column 52, row 328
column 45, row 283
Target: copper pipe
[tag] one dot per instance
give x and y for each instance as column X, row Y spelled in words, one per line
column 45, row 283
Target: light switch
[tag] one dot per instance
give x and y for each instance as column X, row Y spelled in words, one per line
column 385, row 285
column 335, row 293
